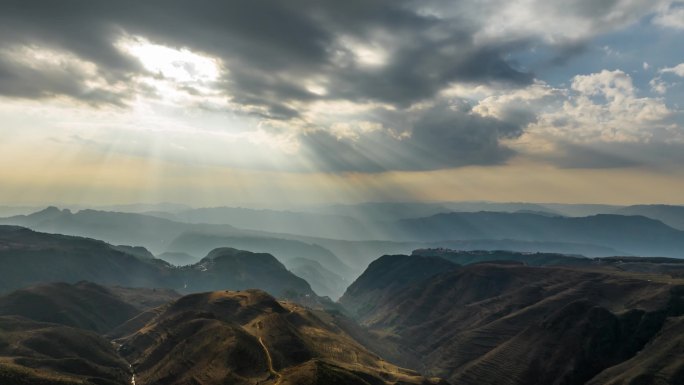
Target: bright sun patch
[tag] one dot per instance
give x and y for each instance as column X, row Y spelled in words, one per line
column 180, row 65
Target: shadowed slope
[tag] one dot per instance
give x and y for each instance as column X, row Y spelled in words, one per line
column 84, row 305
column 387, row 275
column 660, row 363
column 247, row 337
column 35, row 353
column 512, row 324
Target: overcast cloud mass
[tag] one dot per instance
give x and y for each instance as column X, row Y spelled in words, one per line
column 340, row 87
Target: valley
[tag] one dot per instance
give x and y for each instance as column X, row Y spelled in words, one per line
column 431, row 315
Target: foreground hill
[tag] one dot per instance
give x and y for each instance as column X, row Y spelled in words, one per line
column 34, row 353
column 507, row 323
column 248, row 337
column 51, row 334
column 28, row 258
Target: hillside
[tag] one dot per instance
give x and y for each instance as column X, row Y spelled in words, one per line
column 83, row 305
column 385, row 277
column 248, row 337
column 232, row 269
column 28, row 258
column 514, row 324
column 34, row 353
column 661, row 362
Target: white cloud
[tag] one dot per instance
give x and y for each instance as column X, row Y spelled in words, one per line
column 180, row 65
column 354, row 130
column 532, row 98
column 660, row 86
column 672, row 16
column 597, row 111
column 677, row 70
column 553, row 21
column 604, row 106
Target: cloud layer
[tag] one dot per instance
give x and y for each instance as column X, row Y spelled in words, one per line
column 358, row 85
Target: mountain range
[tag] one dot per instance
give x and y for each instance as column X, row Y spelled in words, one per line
column 507, row 323
column 236, row 316
column 596, row 235
column 28, row 258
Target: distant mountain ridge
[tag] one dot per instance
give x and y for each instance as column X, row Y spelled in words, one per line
column 670, row 215
column 28, row 258
column 531, row 231
column 162, row 235
column 634, row 234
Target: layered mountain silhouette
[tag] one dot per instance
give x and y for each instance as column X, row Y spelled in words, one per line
column 484, row 297
column 507, row 323
column 300, row 223
column 28, row 258
column 529, row 229
column 670, row 215
column 462, row 257
column 201, row 243
column 323, row 281
column 161, row 235
column 636, row 235
column 673, row 267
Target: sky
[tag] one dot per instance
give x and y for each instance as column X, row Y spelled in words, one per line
column 277, row 103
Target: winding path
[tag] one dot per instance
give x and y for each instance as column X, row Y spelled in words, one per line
column 269, row 360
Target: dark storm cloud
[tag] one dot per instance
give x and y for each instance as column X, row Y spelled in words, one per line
column 443, row 136
column 20, row 81
column 269, row 46
column 272, row 48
